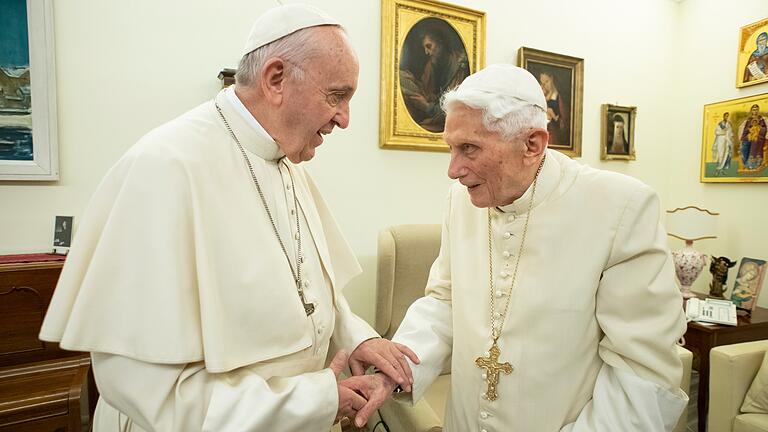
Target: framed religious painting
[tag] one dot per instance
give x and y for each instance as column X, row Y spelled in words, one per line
column 28, row 133
column 733, row 143
column 748, row 283
column 618, row 133
column 562, row 79
column 427, row 48
column 752, row 64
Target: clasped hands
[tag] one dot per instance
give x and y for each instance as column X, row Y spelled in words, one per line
column 361, row 395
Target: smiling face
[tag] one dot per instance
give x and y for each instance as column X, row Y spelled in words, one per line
column 491, row 167
column 314, row 105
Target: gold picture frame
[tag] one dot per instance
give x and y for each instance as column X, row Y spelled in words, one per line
column 734, row 143
column 752, row 63
column 427, row 47
column 617, row 139
column 562, row 79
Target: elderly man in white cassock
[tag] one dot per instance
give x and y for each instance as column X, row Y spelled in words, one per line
column 553, row 290
column 206, row 278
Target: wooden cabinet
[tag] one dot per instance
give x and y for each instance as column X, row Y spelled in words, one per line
column 42, row 387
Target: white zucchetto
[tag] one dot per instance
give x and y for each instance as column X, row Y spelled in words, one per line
column 507, row 80
column 281, row 21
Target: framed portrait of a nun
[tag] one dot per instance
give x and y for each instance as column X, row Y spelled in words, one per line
column 618, row 132
column 427, row 48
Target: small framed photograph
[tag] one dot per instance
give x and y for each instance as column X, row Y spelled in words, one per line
column 62, row 234
column 562, row 79
column 618, row 132
column 749, row 281
column 734, row 145
column 752, row 65
column 427, row 48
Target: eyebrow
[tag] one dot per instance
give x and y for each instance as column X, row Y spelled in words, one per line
column 345, row 89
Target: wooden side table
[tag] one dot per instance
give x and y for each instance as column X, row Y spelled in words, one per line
column 700, row 338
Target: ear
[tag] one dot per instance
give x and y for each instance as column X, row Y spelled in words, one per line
column 536, row 144
column 273, row 76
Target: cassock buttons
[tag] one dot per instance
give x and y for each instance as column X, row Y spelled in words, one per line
column 484, row 376
column 504, row 274
column 507, row 235
column 296, row 236
column 305, row 283
column 320, row 330
column 511, row 218
column 288, row 187
column 506, row 254
column 483, row 415
column 293, row 212
column 499, row 294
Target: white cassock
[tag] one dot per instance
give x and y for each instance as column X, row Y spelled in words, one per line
column 593, row 319
column 177, row 285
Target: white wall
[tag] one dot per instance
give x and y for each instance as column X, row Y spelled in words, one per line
column 125, row 67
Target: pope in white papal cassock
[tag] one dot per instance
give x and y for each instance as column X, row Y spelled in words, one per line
column 553, row 290
column 207, row 274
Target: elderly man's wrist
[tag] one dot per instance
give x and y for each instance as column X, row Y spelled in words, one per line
column 392, row 384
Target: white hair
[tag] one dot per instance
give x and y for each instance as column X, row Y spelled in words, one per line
column 297, row 48
column 502, row 114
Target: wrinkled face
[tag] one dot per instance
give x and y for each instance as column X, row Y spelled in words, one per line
column 314, row 105
column 431, row 48
column 490, row 167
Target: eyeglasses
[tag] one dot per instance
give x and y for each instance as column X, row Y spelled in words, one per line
column 332, row 98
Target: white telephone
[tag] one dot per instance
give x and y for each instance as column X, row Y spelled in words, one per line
column 711, row 310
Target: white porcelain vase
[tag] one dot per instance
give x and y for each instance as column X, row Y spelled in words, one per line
column 688, row 265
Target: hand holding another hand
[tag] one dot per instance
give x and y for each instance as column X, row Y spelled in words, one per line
column 388, row 357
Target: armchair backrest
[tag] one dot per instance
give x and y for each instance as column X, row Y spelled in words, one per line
column 405, row 255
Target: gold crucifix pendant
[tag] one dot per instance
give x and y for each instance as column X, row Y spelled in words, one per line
column 493, row 367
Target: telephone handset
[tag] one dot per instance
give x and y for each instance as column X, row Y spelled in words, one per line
column 711, row 310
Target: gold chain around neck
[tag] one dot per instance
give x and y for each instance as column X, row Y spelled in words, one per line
column 497, row 322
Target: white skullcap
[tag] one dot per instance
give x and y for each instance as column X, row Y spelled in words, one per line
column 506, row 80
column 281, row 21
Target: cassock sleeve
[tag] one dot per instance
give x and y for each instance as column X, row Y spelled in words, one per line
column 639, row 310
column 427, row 328
column 186, row 397
column 350, row 330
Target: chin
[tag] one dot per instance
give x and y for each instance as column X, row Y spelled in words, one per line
column 479, row 202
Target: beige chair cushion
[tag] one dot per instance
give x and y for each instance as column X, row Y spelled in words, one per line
column 756, row 400
column 750, row 423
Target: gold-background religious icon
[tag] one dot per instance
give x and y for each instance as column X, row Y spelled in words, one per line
column 493, row 367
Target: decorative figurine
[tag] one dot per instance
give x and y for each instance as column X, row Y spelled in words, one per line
column 719, row 269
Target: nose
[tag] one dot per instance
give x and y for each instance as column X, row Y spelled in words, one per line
column 342, row 115
column 455, row 168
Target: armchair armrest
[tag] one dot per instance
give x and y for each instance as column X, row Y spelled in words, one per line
column 732, row 369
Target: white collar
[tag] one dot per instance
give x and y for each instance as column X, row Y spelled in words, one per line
column 546, row 183
column 249, row 131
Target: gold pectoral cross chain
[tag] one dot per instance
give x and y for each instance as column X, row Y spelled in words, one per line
column 493, row 368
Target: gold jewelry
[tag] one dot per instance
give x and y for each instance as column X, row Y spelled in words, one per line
column 309, row 308
column 491, row 362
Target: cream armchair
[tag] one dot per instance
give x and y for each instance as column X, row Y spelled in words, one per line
column 405, row 254
column 732, row 368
